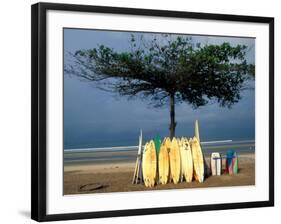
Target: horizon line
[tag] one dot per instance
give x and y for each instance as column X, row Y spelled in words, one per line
column 136, row 146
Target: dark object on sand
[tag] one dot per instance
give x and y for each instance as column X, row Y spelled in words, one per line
column 91, row 187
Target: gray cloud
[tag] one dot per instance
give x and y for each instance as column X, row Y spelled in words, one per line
column 96, row 118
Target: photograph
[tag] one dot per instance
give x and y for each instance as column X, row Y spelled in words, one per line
column 148, row 111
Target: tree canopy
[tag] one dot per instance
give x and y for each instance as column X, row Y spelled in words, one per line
column 170, row 69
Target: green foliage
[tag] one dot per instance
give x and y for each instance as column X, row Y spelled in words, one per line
column 174, row 67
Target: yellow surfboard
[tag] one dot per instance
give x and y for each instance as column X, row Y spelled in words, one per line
column 163, row 162
column 198, row 161
column 149, row 164
column 186, row 160
column 175, row 161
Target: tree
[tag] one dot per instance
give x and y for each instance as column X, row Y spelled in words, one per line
column 168, row 69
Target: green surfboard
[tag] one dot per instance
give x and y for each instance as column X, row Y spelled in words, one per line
column 157, row 142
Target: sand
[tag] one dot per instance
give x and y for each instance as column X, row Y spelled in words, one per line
column 117, row 177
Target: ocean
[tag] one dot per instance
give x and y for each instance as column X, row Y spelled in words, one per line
column 129, row 153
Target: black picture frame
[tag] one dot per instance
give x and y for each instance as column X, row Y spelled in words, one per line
column 39, row 122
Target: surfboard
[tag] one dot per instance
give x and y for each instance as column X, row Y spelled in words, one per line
column 207, row 169
column 235, row 164
column 186, row 160
column 198, row 161
column 180, row 143
column 175, row 161
column 196, row 130
column 149, row 164
column 231, row 162
column 216, row 164
column 168, row 146
column 157, row 142
column 163, row 163
column 138, row 174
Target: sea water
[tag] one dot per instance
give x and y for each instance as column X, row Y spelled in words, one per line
column 129, row 153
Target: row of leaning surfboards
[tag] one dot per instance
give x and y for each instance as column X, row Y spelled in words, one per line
column 172, row 160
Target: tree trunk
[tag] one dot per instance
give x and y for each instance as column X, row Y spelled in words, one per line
column 172, row 116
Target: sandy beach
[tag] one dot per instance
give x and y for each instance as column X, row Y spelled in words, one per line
column 81, row 178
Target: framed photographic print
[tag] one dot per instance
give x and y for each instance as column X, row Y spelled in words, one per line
column 139, row 111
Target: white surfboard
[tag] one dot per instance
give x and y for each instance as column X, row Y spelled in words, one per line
column 163, row 162
column 175, row 161
column 198, row 160
column 216, row 164
column 186, row 160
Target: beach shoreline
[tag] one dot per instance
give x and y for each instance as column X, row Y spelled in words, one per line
column 83, row 178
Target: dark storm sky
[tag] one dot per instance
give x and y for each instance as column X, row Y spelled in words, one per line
column 93, row 118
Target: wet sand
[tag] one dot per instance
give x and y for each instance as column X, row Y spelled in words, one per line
column 117, row 177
